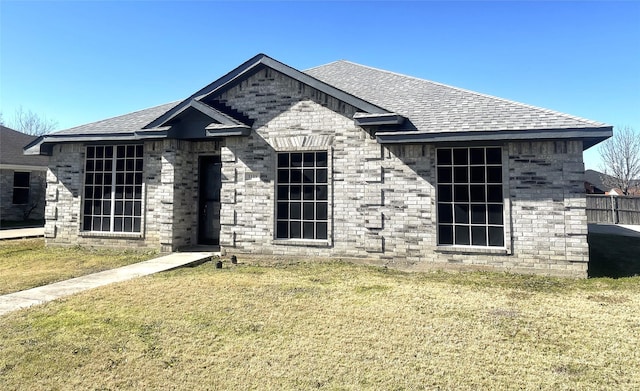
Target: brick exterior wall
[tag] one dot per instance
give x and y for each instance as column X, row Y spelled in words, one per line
column 382, row 198
column 11, row 212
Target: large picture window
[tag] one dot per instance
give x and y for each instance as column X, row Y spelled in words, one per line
column 302, row 196
column 21, row 187
column 113, row 188
column 470, row 199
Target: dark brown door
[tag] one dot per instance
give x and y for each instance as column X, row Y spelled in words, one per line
column 209, row 204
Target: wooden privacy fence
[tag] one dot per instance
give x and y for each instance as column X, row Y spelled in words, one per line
column 613, row 209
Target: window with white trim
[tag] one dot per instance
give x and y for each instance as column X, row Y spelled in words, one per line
column 21, row 182
column 470, row 199
column 302, row 194
column 113, row 188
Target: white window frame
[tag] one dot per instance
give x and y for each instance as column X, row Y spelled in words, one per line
column 121, row 183
column 279, row 218
column 447, row 203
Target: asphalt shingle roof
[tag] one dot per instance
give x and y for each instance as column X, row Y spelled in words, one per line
column 436, row 107
column 11, row 144
column 429, row 106
column 127, row 123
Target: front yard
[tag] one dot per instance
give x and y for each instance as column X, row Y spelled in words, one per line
column 329, row 325
column 27, row 263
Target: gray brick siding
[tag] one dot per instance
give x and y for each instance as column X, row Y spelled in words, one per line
column 35, row 208
column 383, row 205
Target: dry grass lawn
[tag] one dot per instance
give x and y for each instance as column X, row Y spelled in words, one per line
column 27, row 263
column 330, row 326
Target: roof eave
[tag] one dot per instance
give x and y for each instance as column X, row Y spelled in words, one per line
column 366, row 119
column 590, row 136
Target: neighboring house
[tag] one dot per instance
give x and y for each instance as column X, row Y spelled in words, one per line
column 593, row 182
column 22, row 178
column 341, row 160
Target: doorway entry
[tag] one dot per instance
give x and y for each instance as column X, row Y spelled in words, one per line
column 210, row 179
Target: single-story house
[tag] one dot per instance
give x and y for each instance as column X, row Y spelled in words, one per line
column 22, row 178
column 341, row 160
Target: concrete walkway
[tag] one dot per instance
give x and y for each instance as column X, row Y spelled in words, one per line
column 43, row 294
column 22, row 233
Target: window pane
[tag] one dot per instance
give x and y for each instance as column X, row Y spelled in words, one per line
column 282, row 229
column 296, row 176
column 108, row 152
column 21, row 179
column 91, row 152
column 105, row 224
column 477, row 193
column 321, row 175
column 321, row 159
column 309, row 159
column 444, row 156
column 494, row 156
column 307, row 211
column 460, row 157
column 308, row 192
column 283, row 210
column 295, row 210
column 295, row 230
column 87, row 207
column 445, row 193
column 445, row 234
column 477, row 174
column 476, row 155
column 283, row 176
column 494, row 174
column 460, row 175
column 461, row 193
column 444, row 175
column 307, row 231
column 296, row 160
column 128, row 224
column 283, row 192
column 321, row 230
column 494, row 193
column 283, row 160
column 321, row 211
column 322, row 192
column 137, row 224
column 495, row 214
column 461, row 212
column 496, row 236
column 478, row 214
column 86, row 223
column 307, row 176
column 478, row 236
column 445, row 213
column 462, row 235
column 295, row 192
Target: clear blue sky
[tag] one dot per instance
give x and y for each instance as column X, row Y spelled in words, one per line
column 81, row 61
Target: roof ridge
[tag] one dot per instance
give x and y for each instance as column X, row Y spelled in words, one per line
column 526, row 105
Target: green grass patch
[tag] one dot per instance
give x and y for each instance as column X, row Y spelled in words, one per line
column 329, row 325
column 28, row 263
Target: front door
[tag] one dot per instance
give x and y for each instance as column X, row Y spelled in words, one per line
column 209, row 204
